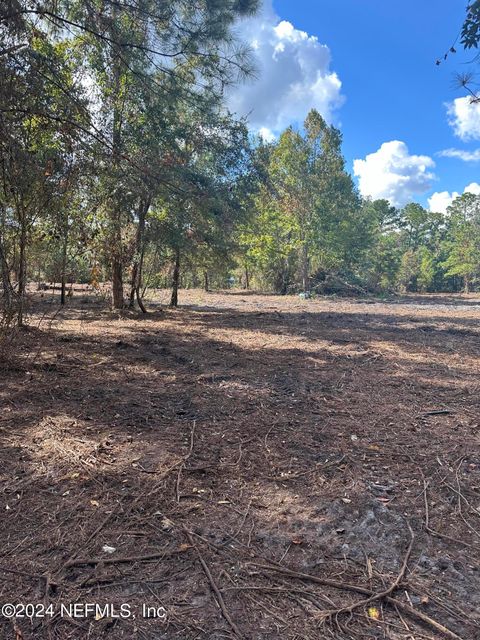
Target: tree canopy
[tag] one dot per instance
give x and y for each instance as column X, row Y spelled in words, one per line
column 120, row 163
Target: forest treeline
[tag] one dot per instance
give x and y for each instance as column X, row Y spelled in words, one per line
column 121, row 163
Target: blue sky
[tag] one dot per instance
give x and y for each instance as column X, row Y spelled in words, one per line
column 369, row 67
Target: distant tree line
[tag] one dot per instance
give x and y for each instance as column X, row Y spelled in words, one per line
column 309, row 230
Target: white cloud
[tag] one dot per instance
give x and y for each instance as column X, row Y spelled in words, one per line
column 461, row 154
column 392, row 173
column 474, row 188
column 293, row 75
column 266, row 134
column 464, row 118
column 441, row 200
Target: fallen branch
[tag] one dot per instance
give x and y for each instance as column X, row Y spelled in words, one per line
column 181, row 463
column 213, row 584
column 300, row 474
column 438, row 412
column 431, row 531
column 72, row 562
column 16, row 572
column 122, row 559
column 407, row 609
column 381, row 595
column 184, row 461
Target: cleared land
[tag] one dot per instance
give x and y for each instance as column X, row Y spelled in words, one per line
column 220, row 447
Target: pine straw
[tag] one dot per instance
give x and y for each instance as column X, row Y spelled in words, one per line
column 212, row 448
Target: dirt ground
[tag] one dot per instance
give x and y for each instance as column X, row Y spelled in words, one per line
column 247, row 465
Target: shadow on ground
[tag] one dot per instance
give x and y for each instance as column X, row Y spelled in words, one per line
column 310, row 434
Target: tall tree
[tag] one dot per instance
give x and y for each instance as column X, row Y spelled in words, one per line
column 39, row 130
column 310, row 204
column 463, row 239
column 184, row 52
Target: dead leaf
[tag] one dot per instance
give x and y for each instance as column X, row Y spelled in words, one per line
column 374, row 613
column 108, row 549
column 369, row 568
column 18, row 631
column 166, row 524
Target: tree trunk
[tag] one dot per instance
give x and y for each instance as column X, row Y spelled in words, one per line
column 22, row 271
column 115, row 215
column 175, row 280
column 139, row 295
column 137, row 266
column 305, row 264
column 133, row 285
column 64, row 268
column 117, row 284
column 247, row 279
column 466, row 287
column 6, row 285
column 205, row 280
column 282, row 278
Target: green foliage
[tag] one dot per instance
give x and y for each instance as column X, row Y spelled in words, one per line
column 463, row 240
column 470, row 36
column 386, row 258
column 133, row 94
column 118, row 158
column 307, row 215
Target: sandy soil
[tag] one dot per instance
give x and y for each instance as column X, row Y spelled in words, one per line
column 255, row 466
